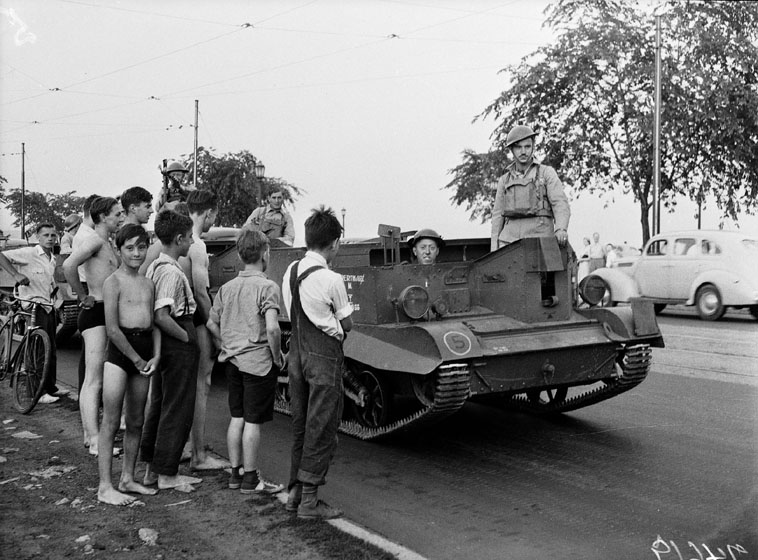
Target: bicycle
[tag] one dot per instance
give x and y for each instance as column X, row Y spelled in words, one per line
column 28, row 365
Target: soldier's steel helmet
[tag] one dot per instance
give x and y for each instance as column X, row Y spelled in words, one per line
column 519, row 133
column 175, row 166
column 426, row 233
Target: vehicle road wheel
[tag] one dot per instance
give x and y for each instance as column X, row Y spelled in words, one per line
column 658, row 307
column 378, row 407
column 708, row 303
column 547, row 397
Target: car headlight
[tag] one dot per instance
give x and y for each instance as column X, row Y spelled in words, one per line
column 592, row 289
column 415, row 301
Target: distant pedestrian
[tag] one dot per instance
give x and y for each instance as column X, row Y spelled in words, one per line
column 597, row 253
column 584, row 260
column 244, row 322
column 319, row 310
column 133, row 354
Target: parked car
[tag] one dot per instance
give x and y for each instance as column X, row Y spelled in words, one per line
column 712, row 270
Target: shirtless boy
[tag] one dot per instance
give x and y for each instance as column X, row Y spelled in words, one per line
column 99, row 261
column 134, row 348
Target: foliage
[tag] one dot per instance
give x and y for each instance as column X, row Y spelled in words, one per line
column 590, row 95
column 3, row 180
column 43, row 207
column 231, row 176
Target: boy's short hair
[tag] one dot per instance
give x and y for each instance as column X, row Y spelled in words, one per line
column 135, row 195
column 251, row 244
column 169, row 224
column 43, row 225
column 322, row 228
column 88, row 204
column 128, row 231
column 201, row 200
column 101, row 205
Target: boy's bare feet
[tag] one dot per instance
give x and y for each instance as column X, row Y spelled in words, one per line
column 136, row 488
column 167, row 482
column 209, row 464
column 113, row 497
column 93, row 450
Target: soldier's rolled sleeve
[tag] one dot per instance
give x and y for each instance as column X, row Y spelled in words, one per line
column 289, row 229
column 558, row 199
column 497, row 214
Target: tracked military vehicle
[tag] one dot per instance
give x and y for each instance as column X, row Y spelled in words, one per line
column 498, row 327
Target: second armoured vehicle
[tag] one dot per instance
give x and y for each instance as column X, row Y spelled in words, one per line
column 498, row 327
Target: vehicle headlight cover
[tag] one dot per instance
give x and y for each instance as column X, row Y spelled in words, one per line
column 415, row 301
column 592, row 289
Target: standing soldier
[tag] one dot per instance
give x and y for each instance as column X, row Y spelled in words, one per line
column 530, row 201
column 273, row 220
column 172, row 192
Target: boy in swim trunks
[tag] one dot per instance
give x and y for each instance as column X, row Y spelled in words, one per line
column 132, row 356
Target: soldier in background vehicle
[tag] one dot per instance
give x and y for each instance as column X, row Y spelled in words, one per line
column 426, row 245
column 529, row 201
column 172, row 191
column 273, row 220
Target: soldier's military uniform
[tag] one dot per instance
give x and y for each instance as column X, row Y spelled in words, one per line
column 276, row 224
column 529, row 203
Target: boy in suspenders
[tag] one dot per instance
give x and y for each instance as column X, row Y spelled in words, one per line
column 320, row 315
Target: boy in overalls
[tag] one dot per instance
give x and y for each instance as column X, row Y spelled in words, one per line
column 319, row 311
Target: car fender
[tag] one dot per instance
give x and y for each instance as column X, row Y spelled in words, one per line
column 734, row 289
column 623, row 287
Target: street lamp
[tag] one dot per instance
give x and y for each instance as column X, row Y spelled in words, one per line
column 343, row 221
column 260, row 171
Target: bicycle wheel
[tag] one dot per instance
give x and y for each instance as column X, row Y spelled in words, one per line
column 5, row 349
column 30, row 370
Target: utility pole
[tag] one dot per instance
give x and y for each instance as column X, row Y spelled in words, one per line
column 657, row 132
column 23, row 190
column 194, row 178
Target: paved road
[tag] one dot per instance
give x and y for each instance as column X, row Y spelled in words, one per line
column 675, row 458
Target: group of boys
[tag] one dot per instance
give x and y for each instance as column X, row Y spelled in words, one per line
column 147, row 321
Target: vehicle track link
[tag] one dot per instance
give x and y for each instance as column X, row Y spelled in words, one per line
column 451, row 390
column 634, row 366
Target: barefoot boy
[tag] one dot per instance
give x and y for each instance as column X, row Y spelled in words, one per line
column 244, row 322
column 172, row 395
column 132, row 356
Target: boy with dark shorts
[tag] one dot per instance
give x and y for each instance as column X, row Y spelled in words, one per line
column 244, row 322
column 320, row 314
column 132, row 356
column 172, row 392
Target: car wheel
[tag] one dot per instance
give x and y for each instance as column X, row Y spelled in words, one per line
column 658, row 307
column 708, row 303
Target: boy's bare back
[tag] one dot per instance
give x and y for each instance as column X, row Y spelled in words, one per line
column 135, row 299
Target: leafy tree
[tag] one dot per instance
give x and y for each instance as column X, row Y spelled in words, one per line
column 232, row 177
column 43, row 207
column 3, row 180
column 590, row 95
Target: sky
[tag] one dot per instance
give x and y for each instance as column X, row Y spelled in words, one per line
column 365, row 105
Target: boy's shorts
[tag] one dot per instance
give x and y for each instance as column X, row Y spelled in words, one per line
column 251, row 397
column 142, row 342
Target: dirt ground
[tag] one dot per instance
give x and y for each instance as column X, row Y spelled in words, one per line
column 49, row 507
